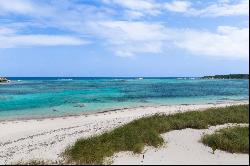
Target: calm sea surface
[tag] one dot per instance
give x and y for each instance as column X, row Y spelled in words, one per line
column 42, row 97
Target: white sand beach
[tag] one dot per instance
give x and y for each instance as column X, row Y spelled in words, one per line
column 46, row 139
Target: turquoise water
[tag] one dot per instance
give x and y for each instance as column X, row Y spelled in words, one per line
column 42, row 97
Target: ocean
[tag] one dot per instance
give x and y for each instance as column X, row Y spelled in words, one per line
column 56, row 96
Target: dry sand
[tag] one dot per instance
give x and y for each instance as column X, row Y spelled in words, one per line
column 46, row 139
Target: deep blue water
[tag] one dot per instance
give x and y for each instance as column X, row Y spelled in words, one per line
column 52, row 96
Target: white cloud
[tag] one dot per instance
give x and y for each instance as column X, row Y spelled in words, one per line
column 6, row 31
column 17, row 6
column 134, row 4
column 227, row 42
column 38, row 40
column 127, row 38
column 134, row 9
column 216, row 9
column 177, row 6
column 224, row 9
column 130, row 38
column 42, row 16
column 10, row 39
column 131, row 14
column 137, row 8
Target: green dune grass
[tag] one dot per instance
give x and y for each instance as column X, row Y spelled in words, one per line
column 234, row 140
column 146, row 131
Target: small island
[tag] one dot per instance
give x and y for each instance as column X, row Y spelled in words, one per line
column 3, row 80
column 229, row 76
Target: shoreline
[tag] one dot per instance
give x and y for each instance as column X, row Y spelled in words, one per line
column 46, row 139
column 102, row 111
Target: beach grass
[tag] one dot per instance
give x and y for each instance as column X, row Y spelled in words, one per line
column 146, row 131
column 234, row 140
column 39, row 162
column 31, row 162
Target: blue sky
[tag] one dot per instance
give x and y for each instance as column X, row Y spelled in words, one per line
column 123, row 37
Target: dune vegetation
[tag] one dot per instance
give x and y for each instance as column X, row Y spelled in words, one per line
column 146, row 131
column 234, row 140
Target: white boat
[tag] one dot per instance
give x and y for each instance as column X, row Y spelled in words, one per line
column 140, row 78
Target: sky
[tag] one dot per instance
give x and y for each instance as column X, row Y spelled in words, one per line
column 122, row 38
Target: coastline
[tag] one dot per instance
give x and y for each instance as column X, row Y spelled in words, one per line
column 101, row 111
column 46, row 139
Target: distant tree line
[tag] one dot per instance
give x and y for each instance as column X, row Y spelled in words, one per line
column 229, row 76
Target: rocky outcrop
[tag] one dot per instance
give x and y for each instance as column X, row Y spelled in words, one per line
column 3, row 80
